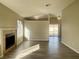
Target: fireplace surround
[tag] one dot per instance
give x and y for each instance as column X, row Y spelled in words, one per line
column 7, row 40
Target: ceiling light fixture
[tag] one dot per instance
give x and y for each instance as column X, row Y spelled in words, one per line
column 36, row 17
column 59, row 17
column 47, row 5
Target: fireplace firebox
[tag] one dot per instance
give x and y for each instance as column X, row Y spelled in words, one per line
column 9, row 40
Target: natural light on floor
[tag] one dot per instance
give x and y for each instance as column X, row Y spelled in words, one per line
column 27, row 51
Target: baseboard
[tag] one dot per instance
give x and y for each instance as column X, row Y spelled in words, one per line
column 39, row 39
column 70, row 47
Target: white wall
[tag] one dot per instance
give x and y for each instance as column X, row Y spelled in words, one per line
column 8, row 18
column 38, row 30
column 19, row 31
column 70, row 26
column 27, row 33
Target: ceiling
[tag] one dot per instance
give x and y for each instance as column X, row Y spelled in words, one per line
column 27, row 8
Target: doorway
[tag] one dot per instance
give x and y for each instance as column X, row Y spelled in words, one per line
column 53, row 31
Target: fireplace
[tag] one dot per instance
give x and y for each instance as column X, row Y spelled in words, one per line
column 9, row 40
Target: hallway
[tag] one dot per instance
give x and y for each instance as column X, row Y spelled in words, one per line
column 48, row 50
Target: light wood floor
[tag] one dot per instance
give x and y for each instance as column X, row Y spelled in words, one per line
column 48, row 50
